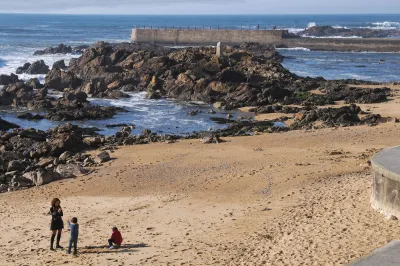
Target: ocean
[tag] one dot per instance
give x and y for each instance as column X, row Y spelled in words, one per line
column 22, row 34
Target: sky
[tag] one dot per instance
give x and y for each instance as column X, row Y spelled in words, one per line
column 201, row 6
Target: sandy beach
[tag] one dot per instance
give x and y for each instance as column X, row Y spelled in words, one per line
column 295, row 198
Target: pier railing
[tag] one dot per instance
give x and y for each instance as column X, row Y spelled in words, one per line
column 257, row 27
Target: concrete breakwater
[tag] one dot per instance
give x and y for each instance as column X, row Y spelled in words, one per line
column 385, row 196
column 279, row 38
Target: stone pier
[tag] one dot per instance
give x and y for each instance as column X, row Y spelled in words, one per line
column 279, row 38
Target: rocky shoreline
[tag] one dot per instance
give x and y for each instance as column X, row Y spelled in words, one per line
column 329, row 31
column 250, row 75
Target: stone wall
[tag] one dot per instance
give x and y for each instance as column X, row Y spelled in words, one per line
column 385, row 196
column 273, row 37
column 206, row 37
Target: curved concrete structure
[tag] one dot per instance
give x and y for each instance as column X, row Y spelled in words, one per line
column 385, row 195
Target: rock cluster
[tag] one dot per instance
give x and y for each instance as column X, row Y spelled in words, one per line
column 38, row 67
column 8, row 79
column 326, row 31
column 73, row 105
column 32, row 157
column 60, row 49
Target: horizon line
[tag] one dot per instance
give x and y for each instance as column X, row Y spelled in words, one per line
column 193, row 14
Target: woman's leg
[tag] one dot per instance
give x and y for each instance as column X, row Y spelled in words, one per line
column 59, row 238
column 110, row 242
column 53, row 235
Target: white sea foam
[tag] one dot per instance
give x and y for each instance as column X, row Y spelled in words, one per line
column 337, row 37
column 295, row 30
column 15, row 59
column 294, row 49
column 311, row 24
column 387, row 24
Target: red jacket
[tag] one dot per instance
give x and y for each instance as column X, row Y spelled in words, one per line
column 116, row 237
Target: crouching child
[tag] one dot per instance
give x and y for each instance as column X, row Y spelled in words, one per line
column 116, row 239
column 73, row 240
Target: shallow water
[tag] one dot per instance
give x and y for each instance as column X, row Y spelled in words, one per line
column 22, row 34
column 382, row 67
column 163, row 116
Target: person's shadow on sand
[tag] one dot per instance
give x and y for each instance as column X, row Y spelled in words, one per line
column 103, row 249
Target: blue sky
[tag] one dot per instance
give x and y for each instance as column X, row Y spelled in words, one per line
column 201, row 6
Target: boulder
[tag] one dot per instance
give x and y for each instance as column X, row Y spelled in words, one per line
column 34, row 83
column 59, row 80
column 102, row 157
column 65, row 156
column 70, row 170
column 23, row 69
column 93, row 141
column 38, row 67
column 16, row 165
column 45, row 162
column 59, row 65
column 5, row 125
column 20, row 181
column 62, row 142
column 211, row 139
column 29, row 116
column 6, row 80
column 40, row 177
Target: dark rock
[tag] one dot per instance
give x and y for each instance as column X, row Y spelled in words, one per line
column 38, row 67
column 16, row 166
column 59, row 65
column 59, row 80
column 60, row 49
column 23, row 69
column 30, row 116
column 93, row 141
column 326, row 31
column 34, row 83
column 120, row 125
column 102, row 157
column 5, row 125
column 6, row 80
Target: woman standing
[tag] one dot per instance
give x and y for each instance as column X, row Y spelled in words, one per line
column 57, row 224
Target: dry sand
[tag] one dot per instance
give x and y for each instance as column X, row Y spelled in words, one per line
column 274, row 199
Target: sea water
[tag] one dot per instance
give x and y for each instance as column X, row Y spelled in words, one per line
column 22, row 34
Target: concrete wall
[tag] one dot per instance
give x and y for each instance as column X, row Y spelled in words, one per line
column 274, row 37
column 385, row 196
column 206, row 37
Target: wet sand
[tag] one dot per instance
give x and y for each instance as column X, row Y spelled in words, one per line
column 274, row 199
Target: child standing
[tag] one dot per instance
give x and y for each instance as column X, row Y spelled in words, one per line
column 116, row 238
column 74, row 226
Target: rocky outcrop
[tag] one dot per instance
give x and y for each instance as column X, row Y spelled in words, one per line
column 60, row 49
column 6, row 80
column 29, row 116
column 34, row 84
column 242, row 77
column 38, row 67
column 5, row 125
column 329, row 31
column 59, row 80
column 59, row 65
column 20, row 94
